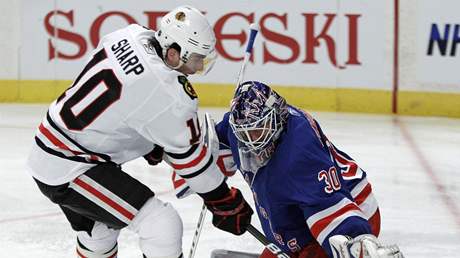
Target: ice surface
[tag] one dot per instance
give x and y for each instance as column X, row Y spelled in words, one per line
column 412, row 162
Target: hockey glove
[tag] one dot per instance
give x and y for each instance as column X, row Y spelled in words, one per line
column 365, row 246
column 155, row 156
column 231, row 212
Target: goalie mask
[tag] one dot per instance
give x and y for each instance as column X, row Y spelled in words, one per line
column 190, row 30
column 258, row 115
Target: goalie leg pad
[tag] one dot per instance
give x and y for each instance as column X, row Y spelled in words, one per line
column 101, row 243
column 159, row 228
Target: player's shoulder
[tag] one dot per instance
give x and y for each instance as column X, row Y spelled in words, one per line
column 142, row 37
column 297, row 119
column 305, row 132
column 302, row 146
column 169, row 81
column 123, row 53
column 142, row 40
column 183, row 93
column 186, row 88
column 226, row 119
column 300, row 132
column 175, row 82
column 181, row 90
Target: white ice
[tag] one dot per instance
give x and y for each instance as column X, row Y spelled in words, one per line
column 412, row 162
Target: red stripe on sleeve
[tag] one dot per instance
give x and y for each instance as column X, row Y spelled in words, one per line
column 362, row 196
column 193, row 162
column 321, row 224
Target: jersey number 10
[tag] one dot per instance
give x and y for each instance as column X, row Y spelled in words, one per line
column 99, row 103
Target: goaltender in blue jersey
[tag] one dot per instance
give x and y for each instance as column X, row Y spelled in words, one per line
column 312, row 199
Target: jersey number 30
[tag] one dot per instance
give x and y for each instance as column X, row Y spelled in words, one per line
column 331, row 179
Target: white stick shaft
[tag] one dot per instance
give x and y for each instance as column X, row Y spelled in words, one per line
column 243, row 68
column 254, row 28
column 199, row 227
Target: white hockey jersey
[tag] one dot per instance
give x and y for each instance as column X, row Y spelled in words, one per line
column 123, row 102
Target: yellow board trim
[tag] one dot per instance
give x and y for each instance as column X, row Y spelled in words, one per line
column 429, row 104
column 310, row 98
column 32, row 91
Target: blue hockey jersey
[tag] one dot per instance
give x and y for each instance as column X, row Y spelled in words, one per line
column 308, row 190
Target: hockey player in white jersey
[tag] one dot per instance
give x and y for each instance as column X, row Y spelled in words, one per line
column 133, row 99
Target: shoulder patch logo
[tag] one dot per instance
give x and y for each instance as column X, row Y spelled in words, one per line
column 187, row 87
column 148, row 47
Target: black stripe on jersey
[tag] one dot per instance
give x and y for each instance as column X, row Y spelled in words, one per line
column 201, row 170
column 61, row 155
column 157, row 47
column 51, row 122
column 185, row 154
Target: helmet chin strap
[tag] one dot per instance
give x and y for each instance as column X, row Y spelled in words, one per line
column 175, row 67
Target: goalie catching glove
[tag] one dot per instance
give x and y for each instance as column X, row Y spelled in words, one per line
column 363, row 246
column 230, row 211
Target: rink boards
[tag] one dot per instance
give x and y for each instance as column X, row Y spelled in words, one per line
column 378, row 57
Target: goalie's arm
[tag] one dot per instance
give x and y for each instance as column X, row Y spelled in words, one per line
column 328, row 211
column 222, row 130
column 344, row 233
column 333, row 214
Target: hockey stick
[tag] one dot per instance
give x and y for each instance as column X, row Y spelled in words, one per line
column 209, row 135
column 199, row 227
column 270, row 246
column 212, row 143
column 254, row 28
